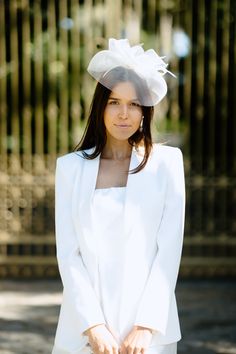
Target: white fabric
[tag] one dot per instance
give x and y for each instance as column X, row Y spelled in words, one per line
column 148, row 65
column 154, row 208
column 108, row 219
column 157, row 349
column 163, row 349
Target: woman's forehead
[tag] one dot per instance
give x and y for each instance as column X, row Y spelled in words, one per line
column 124, row 90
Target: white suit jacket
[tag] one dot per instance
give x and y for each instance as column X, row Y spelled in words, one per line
column 154, row 227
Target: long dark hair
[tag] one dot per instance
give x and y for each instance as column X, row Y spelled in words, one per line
column 95, row 131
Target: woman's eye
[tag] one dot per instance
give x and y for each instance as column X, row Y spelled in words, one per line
column 135, row 104
column 113, row 102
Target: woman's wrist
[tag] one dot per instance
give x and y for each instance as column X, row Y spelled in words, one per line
column 88, row 331
column 145, row 328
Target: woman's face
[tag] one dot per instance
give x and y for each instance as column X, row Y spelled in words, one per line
column 123, row 112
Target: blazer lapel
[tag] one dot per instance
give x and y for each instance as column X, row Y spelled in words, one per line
column 132, row 198
column 87, row 186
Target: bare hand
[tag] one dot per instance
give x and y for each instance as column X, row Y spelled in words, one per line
column 137, row 341
column 101, row 340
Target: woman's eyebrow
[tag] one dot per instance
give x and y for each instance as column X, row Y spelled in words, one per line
column 118, row 99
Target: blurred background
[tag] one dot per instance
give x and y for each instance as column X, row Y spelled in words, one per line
column 45, row 95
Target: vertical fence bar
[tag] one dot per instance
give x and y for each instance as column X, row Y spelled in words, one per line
column 226, row 116
column 210, row 81
column 15, row 167
column 3, row 134
column 127, row 9
column 14, row 78
column 231, row 141
column 197, row 110
column 211, row 136
column 157, row 43
column 231, row 131
column 187, row 75
column 208, row 121
column 200, row 111
column 221, row 116
column 139, row 11
column 112, row 9
column 151, row 14
column 52, row 109
column 224, row 73
column 22, row 115
column 88, row 51
column 63, row 82
column 167, row 42
column 185, row 67
column 75, row 109
column 3, row 106
column 38, row 84
column 200, row 80
column 227, row 217
column 27, row 110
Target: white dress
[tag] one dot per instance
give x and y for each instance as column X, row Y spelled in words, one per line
column 107, row 214
column 107, row 217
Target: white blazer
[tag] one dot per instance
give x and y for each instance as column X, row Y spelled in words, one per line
column 154, row 227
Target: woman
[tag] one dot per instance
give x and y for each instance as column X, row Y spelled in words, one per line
column 120, row 205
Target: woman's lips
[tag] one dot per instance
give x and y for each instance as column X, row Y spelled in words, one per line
column 122, row 125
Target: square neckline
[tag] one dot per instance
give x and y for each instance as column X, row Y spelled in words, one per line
column 109, row 188
column 127, row 180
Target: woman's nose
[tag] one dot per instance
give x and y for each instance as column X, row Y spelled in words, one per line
column 123, row 111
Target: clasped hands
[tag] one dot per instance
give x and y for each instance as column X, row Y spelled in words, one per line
column 103, row 341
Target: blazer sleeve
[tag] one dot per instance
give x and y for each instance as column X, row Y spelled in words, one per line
column 155, row 301
column 75, row 279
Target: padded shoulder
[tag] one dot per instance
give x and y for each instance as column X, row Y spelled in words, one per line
column 166, row 151
column 70, row 162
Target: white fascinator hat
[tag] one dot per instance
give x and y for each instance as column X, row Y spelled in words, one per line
column 145, row 68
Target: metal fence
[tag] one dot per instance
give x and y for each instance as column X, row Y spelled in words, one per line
column 45, row 94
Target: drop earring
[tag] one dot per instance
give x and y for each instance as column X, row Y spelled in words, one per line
column 141, row 124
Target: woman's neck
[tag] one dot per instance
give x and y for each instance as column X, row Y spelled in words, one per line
column 117, row 150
